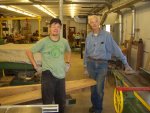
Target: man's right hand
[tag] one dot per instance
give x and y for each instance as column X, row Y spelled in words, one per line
column 38, row 70
column 85, row 71
column 67, row 67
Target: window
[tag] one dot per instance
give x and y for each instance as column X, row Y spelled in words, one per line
column 108, row 28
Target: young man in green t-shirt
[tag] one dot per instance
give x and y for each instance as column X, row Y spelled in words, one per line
column 53, row 48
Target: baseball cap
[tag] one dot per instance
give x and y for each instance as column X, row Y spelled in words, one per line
column 56, row 21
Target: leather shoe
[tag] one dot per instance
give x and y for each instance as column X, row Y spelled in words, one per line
column 91, row 110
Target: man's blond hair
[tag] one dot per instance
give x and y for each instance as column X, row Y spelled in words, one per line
column 93, row 17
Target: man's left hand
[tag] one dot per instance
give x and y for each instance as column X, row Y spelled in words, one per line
column 129, row 70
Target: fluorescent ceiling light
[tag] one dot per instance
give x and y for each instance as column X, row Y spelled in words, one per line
column 46, row 10
column 18, row 10
column 72, row 10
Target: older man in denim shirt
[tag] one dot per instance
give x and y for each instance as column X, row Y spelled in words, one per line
column 98, row 50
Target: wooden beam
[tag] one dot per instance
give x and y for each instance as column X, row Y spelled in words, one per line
column 19, row 94
column 140, row 54
column 13, row 90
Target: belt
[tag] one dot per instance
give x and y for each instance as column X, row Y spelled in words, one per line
column 90, row 58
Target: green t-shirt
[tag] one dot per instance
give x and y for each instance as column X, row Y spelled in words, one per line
column 52, row 55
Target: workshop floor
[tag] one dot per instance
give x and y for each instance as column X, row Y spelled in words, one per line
column 83, row 97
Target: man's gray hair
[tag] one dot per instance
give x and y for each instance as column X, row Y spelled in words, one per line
column 93, row 17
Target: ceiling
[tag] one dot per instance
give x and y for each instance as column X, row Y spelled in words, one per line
column 82, row 7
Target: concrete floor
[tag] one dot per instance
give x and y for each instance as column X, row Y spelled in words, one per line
column 83, row 97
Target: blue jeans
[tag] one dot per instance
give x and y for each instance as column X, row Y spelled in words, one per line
column 97, row 71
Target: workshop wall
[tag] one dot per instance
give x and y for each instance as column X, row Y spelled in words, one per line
column 142, row 26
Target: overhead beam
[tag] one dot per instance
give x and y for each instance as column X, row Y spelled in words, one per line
column 89, row 2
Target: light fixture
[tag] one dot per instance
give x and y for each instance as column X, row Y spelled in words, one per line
column 46, row 10
column 18, row 10
column 72, row 10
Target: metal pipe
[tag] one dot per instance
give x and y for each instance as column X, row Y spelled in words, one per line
column 89, row 2
column 133, row 23
column 0, row 29
column 61, row 15
column 94, row 8
column 124, row 5
column 120, row 28
column 39, row 26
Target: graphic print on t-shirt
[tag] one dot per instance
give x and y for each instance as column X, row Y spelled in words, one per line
column 55, row 51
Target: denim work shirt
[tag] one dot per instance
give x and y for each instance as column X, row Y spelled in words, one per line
column 102, row 47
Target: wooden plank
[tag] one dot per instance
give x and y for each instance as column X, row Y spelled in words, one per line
column 79, row 84
column 33, row 92
column 140, row 54
column 13, row 90
column 6, row 79
column 147, row 67
column 20, row 98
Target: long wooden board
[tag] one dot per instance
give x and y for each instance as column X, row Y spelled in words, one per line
column 19, row 94
column 147, row 67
